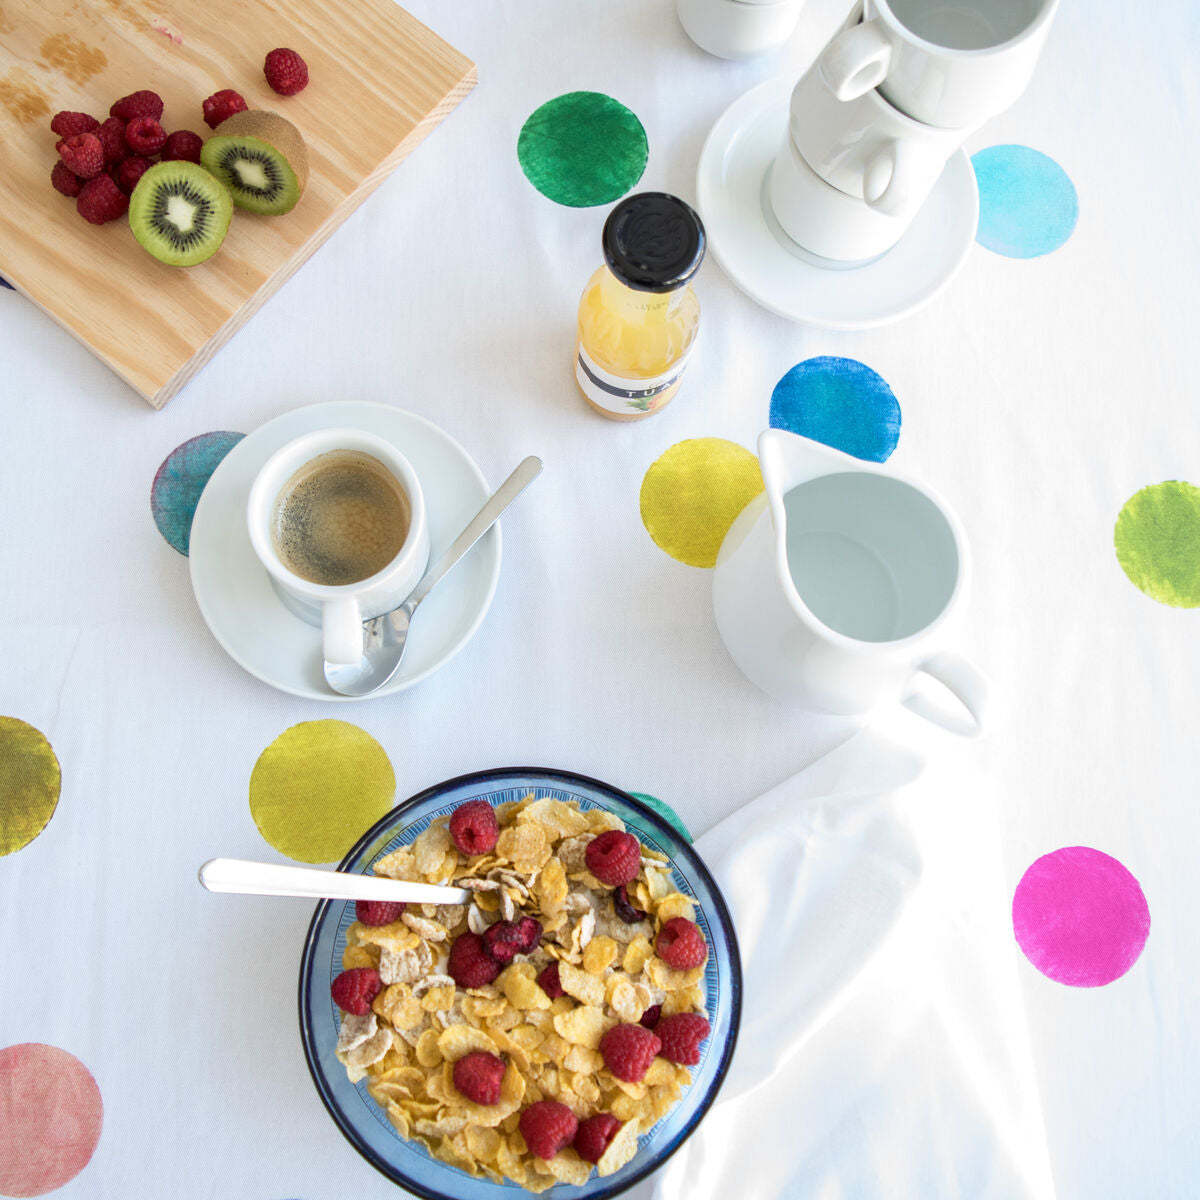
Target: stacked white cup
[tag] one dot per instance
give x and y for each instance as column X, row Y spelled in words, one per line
column 888, row 101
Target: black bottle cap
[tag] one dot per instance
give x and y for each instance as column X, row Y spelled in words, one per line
column 653, row 242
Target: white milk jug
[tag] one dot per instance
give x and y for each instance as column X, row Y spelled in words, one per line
column 833, row 590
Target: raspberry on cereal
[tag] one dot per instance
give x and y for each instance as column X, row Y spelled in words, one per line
column 470, row 964
column 83, row 155
column 681, row 945
column 474, row 828
column 130, row 170
column 138, row 104
column 182, row 145
column 100, row 200
column 64, row 180
column 286, row 71
column 220, row 105
column 353, row 990
column 649, row 1019
column 378, row 912
column 681, row 1035
column 547, row 1127
column 112, row 137
column 530, row 932
column 504, row 940
column 65, row 124
column 614, row 857
column 549, row 981
column 478, row 1076
column 624, row 909
column 144, row 135
column 628, row 1051
column 595, row 1135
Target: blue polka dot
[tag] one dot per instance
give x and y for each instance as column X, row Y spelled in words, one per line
column 841, row 403
column 1027, row 203
column 180, row 480
column 4, row 283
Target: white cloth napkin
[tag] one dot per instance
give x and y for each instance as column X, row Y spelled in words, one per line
column 884, row 1052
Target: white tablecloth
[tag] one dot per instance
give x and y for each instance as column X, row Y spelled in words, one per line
column 1037, row 396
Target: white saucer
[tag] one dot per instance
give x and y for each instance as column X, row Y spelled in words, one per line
column 771, row 269
column 243, row 610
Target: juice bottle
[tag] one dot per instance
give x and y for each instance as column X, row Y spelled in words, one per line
column 638, row 316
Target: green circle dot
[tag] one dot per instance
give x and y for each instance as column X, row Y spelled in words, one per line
column 318, row 787
column 30, row 782
column 1157, row 538
column 582, row 149
column 667, row 813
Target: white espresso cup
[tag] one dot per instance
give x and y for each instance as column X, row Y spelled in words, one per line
column 337, row 518
column 737, row 29
column 867, row 148
column 949, row 63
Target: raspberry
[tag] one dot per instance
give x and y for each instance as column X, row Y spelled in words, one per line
column 101, row 200
column 221, row 105
column 64, row 180
column 378, row 912
column 112, row 137
column 470, row 964
column 286, row 72
column 649, row 1019
column 628, row 1051
column 681, row 945
column 478, row 1076
column 130, row 171
column 506, row 939
column 681, row 1035
column 549, row 982
column 182, row 145
column 353, row 990
column 547, row 1127
column 474, row 828
column 614, row 857
column 66, row 124
column 144, row 135
column 138, row 104
column 83, row 155
column 625, row 910
column 595, row 1135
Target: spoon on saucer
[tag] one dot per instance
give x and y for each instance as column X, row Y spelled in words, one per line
column 246, row 878
column 384, row 637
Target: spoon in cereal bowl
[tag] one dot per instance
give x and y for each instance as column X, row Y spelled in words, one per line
column 247, row 878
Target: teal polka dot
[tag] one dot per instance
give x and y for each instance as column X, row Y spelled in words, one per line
column 1027, row 203
column 667, row 813
column 180, row 480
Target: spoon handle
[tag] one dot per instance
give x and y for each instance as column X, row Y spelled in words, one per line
column 276, row 879
column 505, row 494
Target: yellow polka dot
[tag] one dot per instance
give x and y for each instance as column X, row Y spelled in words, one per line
column 318, row 787
column 30, row 781
column 693, row 493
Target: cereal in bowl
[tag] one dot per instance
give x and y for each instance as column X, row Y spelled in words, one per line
column 517, row 1036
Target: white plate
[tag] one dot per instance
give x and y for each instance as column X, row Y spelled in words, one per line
column 241, row 607
column 771, row 269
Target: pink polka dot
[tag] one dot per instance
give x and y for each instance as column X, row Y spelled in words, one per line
column 50, row 1118
column 1080, row 917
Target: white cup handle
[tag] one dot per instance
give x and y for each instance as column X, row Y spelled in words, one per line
column 341, row 630
column 891, row 179
column 855, row 61
column 967, row 685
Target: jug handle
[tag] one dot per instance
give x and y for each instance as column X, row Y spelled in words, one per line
column 964, row 681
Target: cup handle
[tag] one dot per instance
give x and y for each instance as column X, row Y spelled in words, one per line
column 341, row 630
column 965, row 682
column 892, row 176
column 855, row 61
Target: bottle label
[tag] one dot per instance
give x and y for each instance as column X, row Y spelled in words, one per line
column 623, row 395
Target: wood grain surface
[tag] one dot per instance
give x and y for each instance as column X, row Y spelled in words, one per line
column 157, row 325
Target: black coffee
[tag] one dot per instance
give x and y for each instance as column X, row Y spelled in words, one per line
column 340, row 518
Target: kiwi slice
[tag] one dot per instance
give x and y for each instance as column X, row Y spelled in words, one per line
column 180, row 213
column 261, row 158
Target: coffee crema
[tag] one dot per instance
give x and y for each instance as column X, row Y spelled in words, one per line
column 341, row 518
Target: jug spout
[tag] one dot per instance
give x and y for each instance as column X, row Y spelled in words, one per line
column 787, row 460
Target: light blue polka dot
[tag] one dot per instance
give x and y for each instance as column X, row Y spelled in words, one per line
column 840, row 402
column 180, row 480
column 1028, row 205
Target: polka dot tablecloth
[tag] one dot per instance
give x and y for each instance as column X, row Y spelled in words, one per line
column 147, row 1028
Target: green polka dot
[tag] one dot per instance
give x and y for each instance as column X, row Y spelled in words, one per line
column 667, row 813
column 582, row 149
column 318, row 787
column 1158, row 542
column 692, row 494
column 30, row 782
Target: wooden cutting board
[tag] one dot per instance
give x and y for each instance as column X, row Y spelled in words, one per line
column 379, row 81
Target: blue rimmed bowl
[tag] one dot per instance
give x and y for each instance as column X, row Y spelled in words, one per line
column 366, row 1125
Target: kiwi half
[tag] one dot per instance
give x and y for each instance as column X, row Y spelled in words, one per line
column 180, row 213
column 261, row 158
